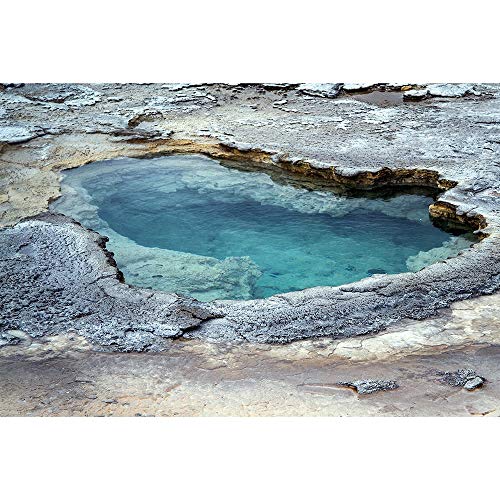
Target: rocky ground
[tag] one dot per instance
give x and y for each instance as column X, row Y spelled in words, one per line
column 419, row 363
column 422, row 343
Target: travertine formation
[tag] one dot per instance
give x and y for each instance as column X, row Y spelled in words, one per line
column 64, row 375
column 57, row 276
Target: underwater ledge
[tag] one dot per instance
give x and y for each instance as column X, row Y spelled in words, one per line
column 75, row 284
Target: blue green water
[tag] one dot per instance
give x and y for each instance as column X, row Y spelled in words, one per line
column 284, row 238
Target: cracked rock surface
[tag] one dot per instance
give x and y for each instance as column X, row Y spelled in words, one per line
column 56, row 275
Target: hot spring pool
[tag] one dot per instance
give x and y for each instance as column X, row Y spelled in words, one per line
column 189, row 225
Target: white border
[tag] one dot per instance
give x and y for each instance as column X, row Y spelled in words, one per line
column 263, row 40
column 260, row 458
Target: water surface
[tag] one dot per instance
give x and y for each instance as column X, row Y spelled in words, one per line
column 187, row 224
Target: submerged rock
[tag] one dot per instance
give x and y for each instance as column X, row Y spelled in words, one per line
column 160, row 268
column 375, row 270
column 238, row 258
column 450, row 248
column 448, row 138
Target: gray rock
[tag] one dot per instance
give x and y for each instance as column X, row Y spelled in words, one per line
column 441, row 90
column 320, row 89
column 449, row 89
column 369, row 386
column 13, row 134
column 74, row 96
column 6, row 338
column 473, row 383
column 64, row 272
column 71, row 282
column 466, row 378
column 82, row 290
column 416, row 94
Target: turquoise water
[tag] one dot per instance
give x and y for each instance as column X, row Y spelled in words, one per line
column 184, row 213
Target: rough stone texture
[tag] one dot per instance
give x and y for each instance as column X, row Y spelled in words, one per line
column 442, row 90
column 320, row 89
column 350, row 87
column 450, row 90
column 56, row 276
column 363, row 307
column 63, row 375
column 16, row 133
column 7, row 338
column 416, row 94
column 474, row 383
column 466, row 378
column 79, row 289
column 369, row 386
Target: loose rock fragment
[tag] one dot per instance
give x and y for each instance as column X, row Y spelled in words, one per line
column 474, row 383
column 416, row 94
column 368, row 386
column 466, row 378
column 7, row 338
column 440, row 90
column 17, row 133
